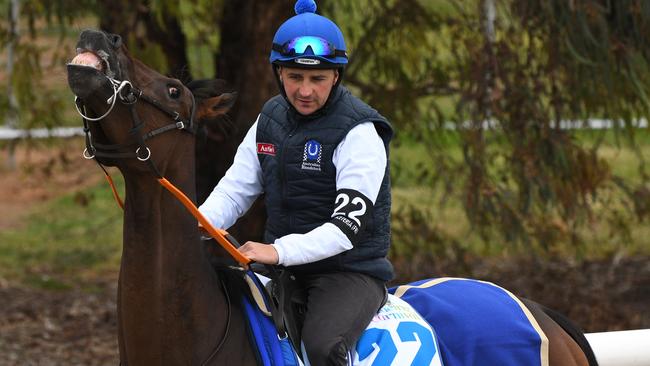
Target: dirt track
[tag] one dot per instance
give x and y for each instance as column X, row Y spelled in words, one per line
column 57, row 328
column 74, row 327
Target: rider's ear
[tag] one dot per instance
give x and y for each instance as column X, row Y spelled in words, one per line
column 278, row 70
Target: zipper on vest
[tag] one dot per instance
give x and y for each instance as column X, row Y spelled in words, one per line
column 282, row 164
column 283, row 181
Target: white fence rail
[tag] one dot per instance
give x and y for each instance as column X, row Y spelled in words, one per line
column 13, row 133
column 621, row 348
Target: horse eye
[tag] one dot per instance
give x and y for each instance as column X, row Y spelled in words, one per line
column 173, row 92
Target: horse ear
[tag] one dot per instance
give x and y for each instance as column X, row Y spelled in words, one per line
column 211, row 116
column 214, row 107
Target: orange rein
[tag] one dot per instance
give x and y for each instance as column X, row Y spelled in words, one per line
column 220, row 235
column 115, row 194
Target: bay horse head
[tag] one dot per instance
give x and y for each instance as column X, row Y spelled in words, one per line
column 172, row 305
column 110, row 85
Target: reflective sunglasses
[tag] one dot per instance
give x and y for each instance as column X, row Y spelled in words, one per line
column 299, row 46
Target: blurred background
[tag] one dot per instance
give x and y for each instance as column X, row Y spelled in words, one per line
column 521, row 154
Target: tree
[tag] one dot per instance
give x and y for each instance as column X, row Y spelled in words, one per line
column 12, row 108
column 528, row 179
column 152, row 30
column 504, row 75
column 521, row 178
column 247, row 28
column 23, row 105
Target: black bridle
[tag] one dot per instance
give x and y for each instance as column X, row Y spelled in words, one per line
column 129, row 95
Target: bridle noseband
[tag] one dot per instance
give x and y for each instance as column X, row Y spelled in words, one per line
column 129, row 95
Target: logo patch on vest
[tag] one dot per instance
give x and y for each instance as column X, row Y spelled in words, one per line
column 312, row 155
column 265, row 148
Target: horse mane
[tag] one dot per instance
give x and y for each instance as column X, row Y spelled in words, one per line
column 226, row 268
column 234, row 283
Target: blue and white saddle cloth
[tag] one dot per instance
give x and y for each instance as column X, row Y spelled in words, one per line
column 475, row 322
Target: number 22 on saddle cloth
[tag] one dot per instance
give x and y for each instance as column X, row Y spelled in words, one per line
column 397, row 335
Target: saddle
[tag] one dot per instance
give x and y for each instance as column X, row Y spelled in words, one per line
column 464, row 313
column 288, row 303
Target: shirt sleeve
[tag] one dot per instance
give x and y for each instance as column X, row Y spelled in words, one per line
column 239, row 187
column 360, row 160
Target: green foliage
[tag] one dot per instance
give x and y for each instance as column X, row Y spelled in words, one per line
column 431, row 222
column 75, row 234
column 37, row 105
column 526, row 181
column 477, row 112
column 44, row 108
column 199, row 21
column 397, row 56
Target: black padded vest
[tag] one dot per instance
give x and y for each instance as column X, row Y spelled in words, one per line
column 300, row 185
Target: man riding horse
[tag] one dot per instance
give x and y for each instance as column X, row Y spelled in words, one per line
column 319, row 154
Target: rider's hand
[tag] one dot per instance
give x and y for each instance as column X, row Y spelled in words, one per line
column 259, row 252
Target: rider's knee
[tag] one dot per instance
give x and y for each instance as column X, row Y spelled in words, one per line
column 327, row 353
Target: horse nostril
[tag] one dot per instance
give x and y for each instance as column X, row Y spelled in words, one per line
column 116, row 40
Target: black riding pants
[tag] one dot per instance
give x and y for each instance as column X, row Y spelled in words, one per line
column 339, row 308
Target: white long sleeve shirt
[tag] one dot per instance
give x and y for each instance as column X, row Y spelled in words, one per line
column 360, row 161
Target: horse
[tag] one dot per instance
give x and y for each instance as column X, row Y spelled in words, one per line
column 173, row 307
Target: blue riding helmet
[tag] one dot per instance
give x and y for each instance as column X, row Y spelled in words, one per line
column 308, row 40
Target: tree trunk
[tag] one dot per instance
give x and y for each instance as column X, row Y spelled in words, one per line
column 11, row 120
column 134, row 20
column 247, row 31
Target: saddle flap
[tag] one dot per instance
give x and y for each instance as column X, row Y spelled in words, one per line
column 281, row 300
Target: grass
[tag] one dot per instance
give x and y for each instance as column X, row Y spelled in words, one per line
column 73, row 237
column 615, row 149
